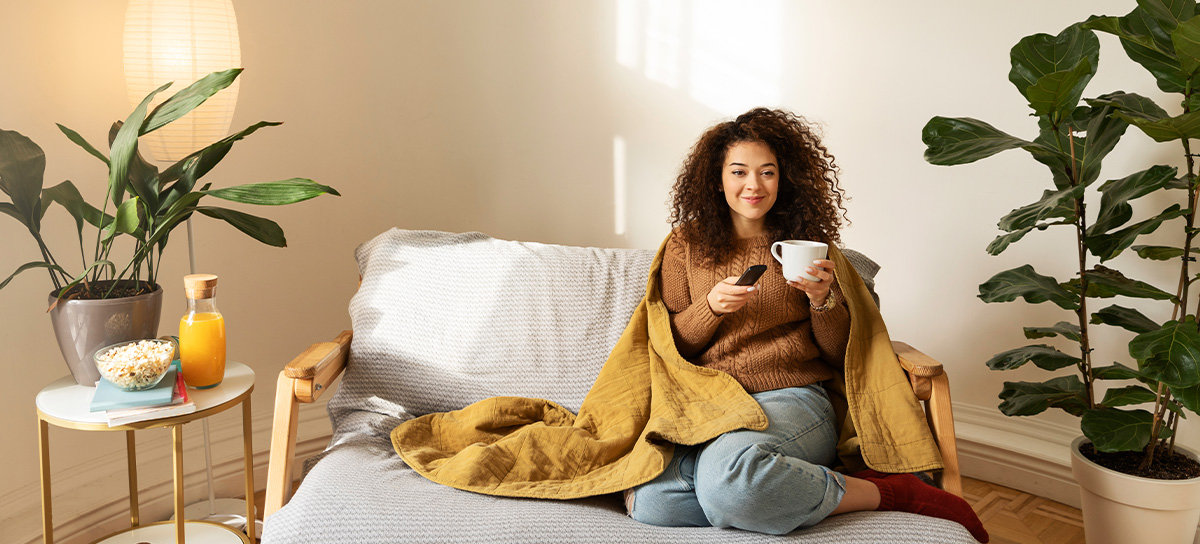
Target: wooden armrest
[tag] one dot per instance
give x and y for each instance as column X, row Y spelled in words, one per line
column 931, row 385
column 915, row 362
column 301, row 381
column 318, row 366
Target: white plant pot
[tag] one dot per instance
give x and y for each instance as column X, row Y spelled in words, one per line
column 1122, row 509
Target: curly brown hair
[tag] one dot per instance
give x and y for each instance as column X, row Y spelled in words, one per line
column 809, row 200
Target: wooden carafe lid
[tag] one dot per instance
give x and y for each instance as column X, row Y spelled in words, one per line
column 198, row 286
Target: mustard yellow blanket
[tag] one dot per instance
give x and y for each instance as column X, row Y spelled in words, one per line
column 646, row 399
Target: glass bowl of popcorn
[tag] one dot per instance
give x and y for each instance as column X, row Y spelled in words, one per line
column 135, row 365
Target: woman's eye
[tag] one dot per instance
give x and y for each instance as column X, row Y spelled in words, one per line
column 739, row 172
column 768, row 173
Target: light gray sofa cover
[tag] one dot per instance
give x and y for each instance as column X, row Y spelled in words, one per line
column 442, row 320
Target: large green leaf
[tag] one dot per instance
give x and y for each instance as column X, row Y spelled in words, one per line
column 961, row 140
column 1146, row 43
column 1104, row 282
column 1131, row 103
column 1126, row 318
column 1111, row 429
column 1186, row 125
column 263, row 230
column 1000, row 243
column 22, row 168
column 69, row 198
column 1053, row 204
column 126, row 220
column 1029, row 398
column 1045, row 357
column 1186, row 38
column 1189, row 397
column 209, row 156
column 1170, row 354
column 191, row 168
column 1036, row 56
column 1168, row 13
column 1058, row 92
column 1107, row 246
column 124, row 146
column 81, row 142
column 1116, row 194
column 1158, row 253
column 143, row 176
column 188, row 99
column 1065, row 329
column 273, row 193
column 1026, row 283
column 1126, row 396
column 30, row 266
column 1118, row 371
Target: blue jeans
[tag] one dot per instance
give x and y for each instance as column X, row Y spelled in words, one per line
column 771, row 481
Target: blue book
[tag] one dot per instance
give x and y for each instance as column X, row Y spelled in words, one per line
column 111, row 397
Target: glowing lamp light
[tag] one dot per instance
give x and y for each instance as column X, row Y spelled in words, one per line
column 181, row 41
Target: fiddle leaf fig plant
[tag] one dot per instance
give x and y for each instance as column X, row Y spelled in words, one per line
column 1074, row 134
column 141, row 205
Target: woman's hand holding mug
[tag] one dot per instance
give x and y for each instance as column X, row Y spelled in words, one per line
column 817, row 291
column 806, row 268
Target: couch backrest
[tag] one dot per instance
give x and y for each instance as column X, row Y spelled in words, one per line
column 442, row 320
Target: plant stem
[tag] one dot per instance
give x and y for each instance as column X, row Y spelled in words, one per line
column 1189, row 235
column 1081, row 248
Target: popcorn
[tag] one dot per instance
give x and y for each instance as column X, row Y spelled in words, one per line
column 135, row 365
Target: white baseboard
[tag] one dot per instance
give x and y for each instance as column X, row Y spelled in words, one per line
column 1022, row 453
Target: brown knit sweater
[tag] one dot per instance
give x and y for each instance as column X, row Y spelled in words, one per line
column 772, row 342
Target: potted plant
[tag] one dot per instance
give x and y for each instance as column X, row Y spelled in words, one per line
column 108, row 301
column 1137, row 485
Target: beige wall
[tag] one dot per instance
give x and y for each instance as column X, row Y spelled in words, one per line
column 503, row 117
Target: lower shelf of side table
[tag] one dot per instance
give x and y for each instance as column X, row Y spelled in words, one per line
column 194, row 532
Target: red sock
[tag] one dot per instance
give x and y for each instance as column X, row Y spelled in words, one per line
column 907, row 493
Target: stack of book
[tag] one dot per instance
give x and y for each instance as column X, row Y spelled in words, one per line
column 167, row 399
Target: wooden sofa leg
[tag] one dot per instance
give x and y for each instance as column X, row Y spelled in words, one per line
column 941, row 419
column 283, row 446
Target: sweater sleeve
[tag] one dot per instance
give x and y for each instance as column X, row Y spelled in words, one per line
column 693, row 323
column 831, row 329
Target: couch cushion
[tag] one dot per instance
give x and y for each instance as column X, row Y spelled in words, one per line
column 362, row 493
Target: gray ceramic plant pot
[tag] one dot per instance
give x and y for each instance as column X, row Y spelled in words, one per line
column 84, row 326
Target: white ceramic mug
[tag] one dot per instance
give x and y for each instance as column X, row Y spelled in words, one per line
column 798, row 255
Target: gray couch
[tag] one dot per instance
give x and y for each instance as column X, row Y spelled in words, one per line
column 443, row 320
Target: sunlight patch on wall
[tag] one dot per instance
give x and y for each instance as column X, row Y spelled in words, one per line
column 736, row 54
column 725, row 56
column 619, row 185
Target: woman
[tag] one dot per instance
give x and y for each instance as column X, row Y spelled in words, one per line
column 747, row 183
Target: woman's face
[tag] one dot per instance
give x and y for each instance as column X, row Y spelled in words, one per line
column 750, row 181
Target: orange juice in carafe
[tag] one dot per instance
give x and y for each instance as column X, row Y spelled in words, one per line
column 202, row 334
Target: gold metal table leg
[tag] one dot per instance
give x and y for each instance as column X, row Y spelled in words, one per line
column 44, row 450
column 131, row 455
column 177, row 457
column 248, row 454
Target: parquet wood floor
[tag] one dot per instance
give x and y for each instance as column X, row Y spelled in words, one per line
column 1010, row 516
column 1015, row 517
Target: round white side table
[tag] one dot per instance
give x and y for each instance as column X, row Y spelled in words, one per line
column 65, row 404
